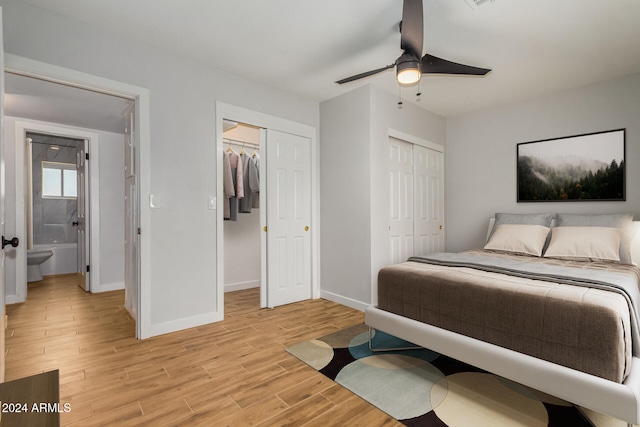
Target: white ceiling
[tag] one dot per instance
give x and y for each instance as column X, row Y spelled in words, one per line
column 534, row 46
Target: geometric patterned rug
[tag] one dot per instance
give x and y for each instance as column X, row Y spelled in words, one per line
column 424, row 388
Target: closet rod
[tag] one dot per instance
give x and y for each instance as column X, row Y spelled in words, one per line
column 237, row 142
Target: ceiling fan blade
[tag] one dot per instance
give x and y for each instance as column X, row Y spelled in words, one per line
column 365, row 74
column 434, row 65
column 412, row 28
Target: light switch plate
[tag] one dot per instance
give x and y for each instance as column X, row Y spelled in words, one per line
column 212, row 202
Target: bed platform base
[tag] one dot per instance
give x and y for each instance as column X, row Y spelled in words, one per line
column 385, row 349
column 621, row 401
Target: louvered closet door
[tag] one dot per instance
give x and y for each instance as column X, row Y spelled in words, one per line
column 288, row 164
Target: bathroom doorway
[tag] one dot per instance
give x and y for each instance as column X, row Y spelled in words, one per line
column 138, row 166
column 51, row 224
column 74, row 128
column 58, row 223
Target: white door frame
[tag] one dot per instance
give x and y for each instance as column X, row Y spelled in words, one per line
column 23, row 211
column 243, row 115
column 53, row 73
column 415, row 140
column 2, row 198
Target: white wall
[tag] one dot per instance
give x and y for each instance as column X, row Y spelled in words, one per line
column 111, row 214
column 355, row 186
column 481, row 153
column 242, row 252
column 345, row 192
column 183, row 94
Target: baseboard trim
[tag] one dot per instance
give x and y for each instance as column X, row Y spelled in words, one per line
column 12, row 299
column 131, row 310
column 240, row 286
column 358, row 305
column 185, row 323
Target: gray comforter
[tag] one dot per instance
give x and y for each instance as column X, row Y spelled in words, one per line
column 577, row 314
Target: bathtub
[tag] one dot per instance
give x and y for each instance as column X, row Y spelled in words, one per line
column 63, row 261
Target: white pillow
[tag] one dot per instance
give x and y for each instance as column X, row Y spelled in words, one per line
column 518, row 238
column 601, row 243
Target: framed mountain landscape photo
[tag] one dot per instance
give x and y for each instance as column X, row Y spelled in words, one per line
column 588, row 167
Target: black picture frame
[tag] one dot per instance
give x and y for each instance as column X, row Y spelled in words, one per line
column 587, row 167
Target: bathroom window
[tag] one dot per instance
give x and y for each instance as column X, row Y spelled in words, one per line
column 59, row 180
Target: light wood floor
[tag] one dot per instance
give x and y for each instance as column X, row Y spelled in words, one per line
column 234, row 372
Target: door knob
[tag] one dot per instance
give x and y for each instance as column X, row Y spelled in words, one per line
column 75, row 223
column 13, row 242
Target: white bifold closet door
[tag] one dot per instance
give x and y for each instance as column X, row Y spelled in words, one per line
column 416, row 182
column 288, row 190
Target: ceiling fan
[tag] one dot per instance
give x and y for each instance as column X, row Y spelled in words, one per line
column 411, row 64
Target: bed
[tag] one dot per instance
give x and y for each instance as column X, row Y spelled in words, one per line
column 540, row 304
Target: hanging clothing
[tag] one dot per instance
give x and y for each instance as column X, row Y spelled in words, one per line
column 238, row 184
column 227, row 183
column 250, row 179
column 254, row 179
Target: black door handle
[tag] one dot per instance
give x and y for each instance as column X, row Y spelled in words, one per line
column 74, row 223
column 13, row 242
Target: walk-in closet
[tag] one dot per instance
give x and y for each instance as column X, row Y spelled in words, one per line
column 241, row 179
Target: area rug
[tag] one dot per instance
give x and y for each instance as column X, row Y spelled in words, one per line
column 423, row 388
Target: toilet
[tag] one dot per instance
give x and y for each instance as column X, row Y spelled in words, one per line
column 34, row 259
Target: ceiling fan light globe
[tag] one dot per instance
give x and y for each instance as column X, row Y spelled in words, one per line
column 409, row 76
column 408, row 70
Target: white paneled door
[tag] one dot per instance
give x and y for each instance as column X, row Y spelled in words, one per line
column 131, row 218
column 82, row 224
column 416, row 182
column 429, row 200
column 288, row 220
column 401, row 182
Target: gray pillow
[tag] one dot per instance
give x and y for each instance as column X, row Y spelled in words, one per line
column 620, row 221
column 530, row 219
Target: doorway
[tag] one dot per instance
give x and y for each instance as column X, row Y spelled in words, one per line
column 242, row 231
column 103, row 177
column 288, row 207
column 140, row 148
column 57, row 215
